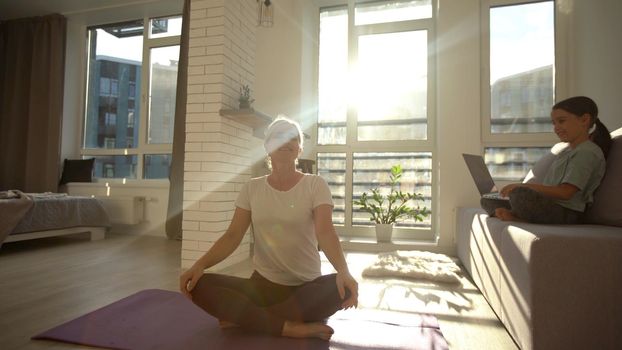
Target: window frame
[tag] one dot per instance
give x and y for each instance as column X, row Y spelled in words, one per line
column 142, row 147
column 561, row 76
column 352, row 144
column 560, row 69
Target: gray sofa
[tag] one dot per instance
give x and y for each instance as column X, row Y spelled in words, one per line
column 552, row 286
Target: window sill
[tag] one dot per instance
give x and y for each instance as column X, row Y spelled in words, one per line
column 368, row 244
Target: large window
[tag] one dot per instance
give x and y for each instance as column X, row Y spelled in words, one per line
column 511, row 164
column 520, row 85
column 522, row 55
column 376, row 84
column 130, row 99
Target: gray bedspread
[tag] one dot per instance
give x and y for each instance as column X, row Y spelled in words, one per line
column 13, row 206
column 53, row 211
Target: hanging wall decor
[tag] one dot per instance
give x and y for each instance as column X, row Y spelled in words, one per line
column 265, row 13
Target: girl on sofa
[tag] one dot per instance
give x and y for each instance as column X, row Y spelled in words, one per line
column 572, row 178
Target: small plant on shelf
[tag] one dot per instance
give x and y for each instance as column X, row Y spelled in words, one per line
column 245, row 97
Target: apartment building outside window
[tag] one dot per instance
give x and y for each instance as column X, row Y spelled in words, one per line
column 520, row 84
column 130, row 97
column 376, row 106
column 110, row 119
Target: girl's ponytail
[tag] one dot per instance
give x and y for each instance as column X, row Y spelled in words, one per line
column 601, row 137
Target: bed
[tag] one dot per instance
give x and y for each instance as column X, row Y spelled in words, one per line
column 36, row 215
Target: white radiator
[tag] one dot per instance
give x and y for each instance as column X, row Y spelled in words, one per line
column 128, row 210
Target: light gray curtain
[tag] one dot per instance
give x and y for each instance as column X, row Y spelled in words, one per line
column 32, row 71
column 176, row 177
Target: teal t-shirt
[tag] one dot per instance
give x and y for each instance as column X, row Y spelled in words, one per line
column 583, row 167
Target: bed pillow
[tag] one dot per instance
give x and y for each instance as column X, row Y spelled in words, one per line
column 607, row 206
column 538, row 171
column 77, row 170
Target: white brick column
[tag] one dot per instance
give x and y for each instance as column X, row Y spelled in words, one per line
column 219, row 151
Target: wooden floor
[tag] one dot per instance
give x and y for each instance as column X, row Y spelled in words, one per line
column 49, row 281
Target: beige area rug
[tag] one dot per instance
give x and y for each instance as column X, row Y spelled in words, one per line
column 415, row 264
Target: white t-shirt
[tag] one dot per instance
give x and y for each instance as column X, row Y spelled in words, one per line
column 285, row 249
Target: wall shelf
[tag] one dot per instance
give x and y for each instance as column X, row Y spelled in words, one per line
column 256, row 120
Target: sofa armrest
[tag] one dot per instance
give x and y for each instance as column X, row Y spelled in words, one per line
column 574, row 287
column 552, row 286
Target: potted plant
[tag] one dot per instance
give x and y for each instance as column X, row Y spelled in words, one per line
column 245, row 97
column 386, row 210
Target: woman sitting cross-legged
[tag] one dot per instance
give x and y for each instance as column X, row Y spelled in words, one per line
column 291, row 213
column 574, row 175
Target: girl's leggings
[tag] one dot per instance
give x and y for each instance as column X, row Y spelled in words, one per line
column 258, row 304
column 532, row 206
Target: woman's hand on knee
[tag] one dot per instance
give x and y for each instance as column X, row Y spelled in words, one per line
column 188, row 280
column 345, row 281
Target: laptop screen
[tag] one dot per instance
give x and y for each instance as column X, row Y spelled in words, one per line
column 479, row 172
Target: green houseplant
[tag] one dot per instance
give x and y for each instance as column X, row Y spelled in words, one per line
column 245, row 97
column 385, row 210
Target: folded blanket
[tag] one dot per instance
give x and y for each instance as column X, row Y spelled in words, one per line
column 14, row 205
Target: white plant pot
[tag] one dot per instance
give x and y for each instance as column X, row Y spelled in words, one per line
column 384, row 232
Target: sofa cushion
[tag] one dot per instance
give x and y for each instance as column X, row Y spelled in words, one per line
column 607, row 206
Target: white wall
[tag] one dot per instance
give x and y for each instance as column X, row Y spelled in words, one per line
column 282, row 86
column 286, row 65
column 458, row 110
column 596, row 56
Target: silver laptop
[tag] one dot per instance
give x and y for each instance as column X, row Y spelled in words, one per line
column 480, row 174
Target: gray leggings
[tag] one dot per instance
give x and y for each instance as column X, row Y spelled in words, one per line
column 531, row 206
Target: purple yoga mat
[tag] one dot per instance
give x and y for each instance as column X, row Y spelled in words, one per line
column 160, row 319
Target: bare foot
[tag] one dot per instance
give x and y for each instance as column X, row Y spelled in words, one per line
column 226, row 324
column 505, row 215
column 306, row 330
